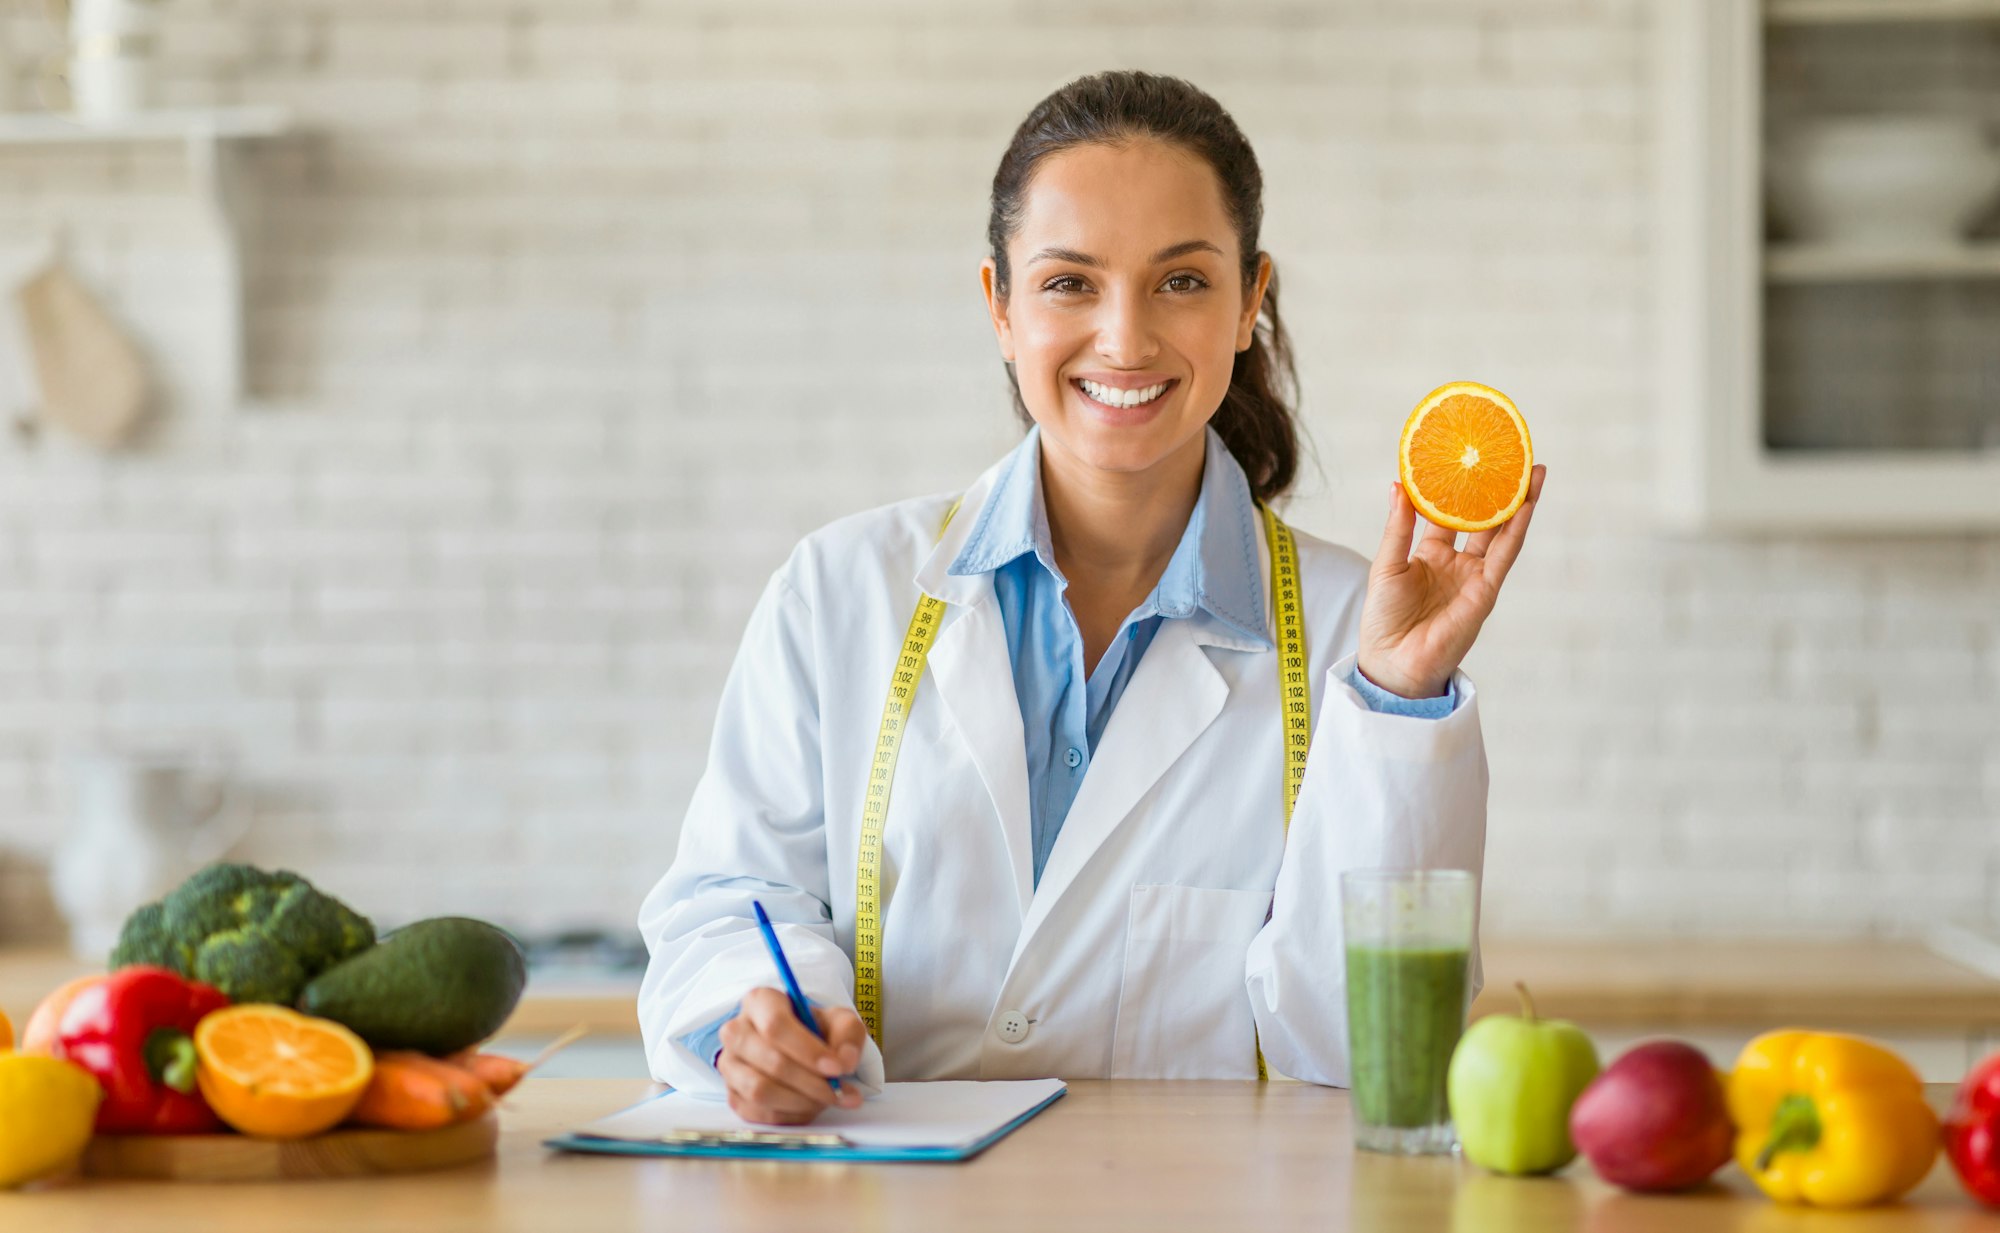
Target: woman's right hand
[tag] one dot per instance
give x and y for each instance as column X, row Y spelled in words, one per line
column 777, row 1070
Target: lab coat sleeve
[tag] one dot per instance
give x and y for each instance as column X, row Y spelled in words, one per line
column 755, row 830
column 1381, row 791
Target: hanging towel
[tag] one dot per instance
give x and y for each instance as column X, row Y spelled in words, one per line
column 93, row 379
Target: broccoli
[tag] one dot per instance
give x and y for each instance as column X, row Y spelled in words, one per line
column 257, row 936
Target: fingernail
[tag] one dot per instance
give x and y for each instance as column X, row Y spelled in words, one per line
column 829, row 1065
column 850, row 1056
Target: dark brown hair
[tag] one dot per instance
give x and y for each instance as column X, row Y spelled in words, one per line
column 1256, row 419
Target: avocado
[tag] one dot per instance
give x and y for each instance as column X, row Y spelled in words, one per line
column 436, row 985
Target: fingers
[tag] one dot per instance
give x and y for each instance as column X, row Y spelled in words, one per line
column 1395, row 549
column 771, row 1076
column 758, row 1097
column 776, row 1024
column 1509, row 536
column 845, row 1036
column 775, row 1066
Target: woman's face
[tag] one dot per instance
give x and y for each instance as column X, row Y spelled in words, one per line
column 1125, row 276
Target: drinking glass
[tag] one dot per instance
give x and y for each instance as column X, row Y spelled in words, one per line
column 1409, row 939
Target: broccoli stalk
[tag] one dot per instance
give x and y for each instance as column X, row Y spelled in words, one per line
column 257, row 936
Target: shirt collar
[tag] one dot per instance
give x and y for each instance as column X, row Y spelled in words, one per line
column 1215, row 567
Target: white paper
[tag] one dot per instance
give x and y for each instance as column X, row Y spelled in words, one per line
column 949, row 1113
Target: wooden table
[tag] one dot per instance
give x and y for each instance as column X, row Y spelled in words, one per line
column 1139, row 1156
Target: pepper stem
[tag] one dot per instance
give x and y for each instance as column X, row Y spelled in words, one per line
column 1527, row 1003
column 1794, row 1128
column 170, row 1058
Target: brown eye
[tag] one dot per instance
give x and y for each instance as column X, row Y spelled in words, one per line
column 1195, row 281
column 1058, row 286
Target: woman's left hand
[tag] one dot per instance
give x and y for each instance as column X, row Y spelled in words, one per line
column 1425, row 605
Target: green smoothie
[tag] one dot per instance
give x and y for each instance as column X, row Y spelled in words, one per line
column 1405, row 1011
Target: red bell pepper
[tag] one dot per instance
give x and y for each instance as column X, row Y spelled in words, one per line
column 1972, row 1131
column 131, row 1031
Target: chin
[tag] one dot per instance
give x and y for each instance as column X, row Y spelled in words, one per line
column 1123, row 451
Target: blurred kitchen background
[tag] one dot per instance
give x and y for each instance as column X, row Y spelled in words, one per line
column 405, row 401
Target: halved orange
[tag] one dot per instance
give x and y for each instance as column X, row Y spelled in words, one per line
column 270, row 1071
column 1465, row 457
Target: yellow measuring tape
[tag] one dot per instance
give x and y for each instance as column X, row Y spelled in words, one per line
column 1294, row 691
column 1294, row 687
column 909, row 669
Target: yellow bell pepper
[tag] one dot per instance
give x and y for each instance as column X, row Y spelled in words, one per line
column 1829, row 1119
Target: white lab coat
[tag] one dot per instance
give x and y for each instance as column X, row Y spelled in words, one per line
column 1145, row 951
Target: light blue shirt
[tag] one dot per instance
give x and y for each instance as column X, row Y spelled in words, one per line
column 1064, row 707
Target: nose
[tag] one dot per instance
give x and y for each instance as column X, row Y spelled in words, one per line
column 1125, row 337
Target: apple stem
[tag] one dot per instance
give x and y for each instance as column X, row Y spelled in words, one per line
column 1527, row 1003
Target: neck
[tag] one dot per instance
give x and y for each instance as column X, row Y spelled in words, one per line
column 1119, row 528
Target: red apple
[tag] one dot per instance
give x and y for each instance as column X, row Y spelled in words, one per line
column 1656, row 1119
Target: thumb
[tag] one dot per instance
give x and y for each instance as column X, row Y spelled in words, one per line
column 1395, row 549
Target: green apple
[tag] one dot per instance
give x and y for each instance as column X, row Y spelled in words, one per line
column 1511, row 1084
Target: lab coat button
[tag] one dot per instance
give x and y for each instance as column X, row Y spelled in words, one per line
column 1013, row 1027
column 1074, row 757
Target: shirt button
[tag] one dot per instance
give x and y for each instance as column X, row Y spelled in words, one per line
column 1013, row 1027
column 1074, row 757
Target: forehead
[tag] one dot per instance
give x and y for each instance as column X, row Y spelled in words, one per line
column 1123, row 203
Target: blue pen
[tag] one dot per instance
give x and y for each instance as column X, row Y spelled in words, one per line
column 792, row 990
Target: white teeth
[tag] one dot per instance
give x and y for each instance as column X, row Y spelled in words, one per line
column 1122, row 398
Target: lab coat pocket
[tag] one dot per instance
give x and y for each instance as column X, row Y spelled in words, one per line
column 1183, row 1012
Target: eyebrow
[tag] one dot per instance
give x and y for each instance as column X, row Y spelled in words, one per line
column 1166, row 254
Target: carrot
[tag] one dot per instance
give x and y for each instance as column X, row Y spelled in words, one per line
column 413, row 1091
column 501, row 1073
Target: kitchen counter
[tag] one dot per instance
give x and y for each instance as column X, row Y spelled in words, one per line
column 1663, row 985
column 553, row 1002
column 1140, row 1156
column 1674, row 984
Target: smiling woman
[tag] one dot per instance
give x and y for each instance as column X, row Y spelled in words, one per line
column 1026, row 776
column 1193, row 301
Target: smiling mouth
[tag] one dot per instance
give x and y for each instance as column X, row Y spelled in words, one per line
column 1122, row 400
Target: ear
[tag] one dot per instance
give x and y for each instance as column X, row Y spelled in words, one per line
column 996, row 308
column 1246, row 326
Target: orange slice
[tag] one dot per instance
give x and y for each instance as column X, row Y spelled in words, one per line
column 1465, row 457
column 270, row 1071
column 6, row 1033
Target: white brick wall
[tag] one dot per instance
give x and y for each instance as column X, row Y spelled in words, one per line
column 569, row 317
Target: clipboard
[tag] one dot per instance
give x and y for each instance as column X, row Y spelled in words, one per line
column 864, row 1134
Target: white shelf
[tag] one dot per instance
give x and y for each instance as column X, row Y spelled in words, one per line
column 1826, row 263
column 1854, row 492
column 1850, row 12
column 213, row 140
column 44, row 127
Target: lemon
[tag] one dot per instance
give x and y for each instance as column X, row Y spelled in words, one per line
column 46, row 1110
